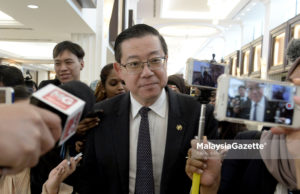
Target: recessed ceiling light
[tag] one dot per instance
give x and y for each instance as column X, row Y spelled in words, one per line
column 32, row 6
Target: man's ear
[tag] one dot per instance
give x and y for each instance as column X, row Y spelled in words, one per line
column 117, row 68
column 166, row 62
column 81, row 64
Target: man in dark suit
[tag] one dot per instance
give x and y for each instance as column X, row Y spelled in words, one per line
column 125, row 154
column 68, row 62
column 257, row 107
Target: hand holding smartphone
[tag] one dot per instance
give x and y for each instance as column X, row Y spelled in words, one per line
column 245, row 100
column 75, row 158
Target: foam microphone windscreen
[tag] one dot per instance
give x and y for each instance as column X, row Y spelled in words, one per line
column 71, row 101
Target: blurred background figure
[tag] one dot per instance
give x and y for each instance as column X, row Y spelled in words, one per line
column 94, row 84
column 293, row 50
column 29, row 83
column 177, row 83
column 110, row 84
column 10, row 76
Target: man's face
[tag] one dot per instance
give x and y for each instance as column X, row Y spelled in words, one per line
column 255, row 92
column 67, row 66
column 147, row 85
column 242, row 92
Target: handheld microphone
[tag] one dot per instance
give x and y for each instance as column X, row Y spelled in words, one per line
column 70, row 101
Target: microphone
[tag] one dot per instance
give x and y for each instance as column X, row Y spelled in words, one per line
column 70, row 101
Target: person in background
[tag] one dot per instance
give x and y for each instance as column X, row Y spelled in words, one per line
column 68, row 62
column 30, row 85
column 293, row 50
column 110, row 84
column 176, row 83
column 10, row 76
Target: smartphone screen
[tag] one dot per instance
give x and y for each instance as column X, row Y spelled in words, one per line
column 204, row 73
column 260, row 101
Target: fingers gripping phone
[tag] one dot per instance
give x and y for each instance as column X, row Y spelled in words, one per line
column 245, row 100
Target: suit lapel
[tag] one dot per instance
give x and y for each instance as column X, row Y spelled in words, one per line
column 121, row 140
column 175, row 134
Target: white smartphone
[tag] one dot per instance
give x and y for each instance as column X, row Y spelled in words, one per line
column 6, row 95
column 245, row 100
column 75, row 158
column 204, row 73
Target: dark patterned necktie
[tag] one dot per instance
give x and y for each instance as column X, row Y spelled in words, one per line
column 254, row 112
column 144, row 183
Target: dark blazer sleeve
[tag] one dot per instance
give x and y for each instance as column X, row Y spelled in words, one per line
column 89, row 173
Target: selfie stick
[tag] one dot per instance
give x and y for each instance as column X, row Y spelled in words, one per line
column 197, row 177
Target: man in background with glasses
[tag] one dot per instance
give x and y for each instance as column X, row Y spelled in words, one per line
column 257, row 107
column 141, row 143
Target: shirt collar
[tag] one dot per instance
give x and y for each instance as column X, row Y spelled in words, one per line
column 259, row 103
column 159, row 106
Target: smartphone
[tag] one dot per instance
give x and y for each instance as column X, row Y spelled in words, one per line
column 204, row 73
column 95, row 113
column 76, row 158
column 6, row 95
column 247, row 100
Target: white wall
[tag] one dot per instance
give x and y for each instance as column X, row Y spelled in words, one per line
column 42, row 75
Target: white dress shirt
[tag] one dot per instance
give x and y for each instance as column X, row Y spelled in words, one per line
column 158, row 123
column 260, row 110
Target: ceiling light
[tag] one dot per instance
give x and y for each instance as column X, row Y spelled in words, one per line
column 243, row 14
column 32, row 6
column 238, row 18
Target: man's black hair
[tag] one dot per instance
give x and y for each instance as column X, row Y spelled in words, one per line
column 137, row 31
column 242, row 86
column 70, row 46
column 11, row 76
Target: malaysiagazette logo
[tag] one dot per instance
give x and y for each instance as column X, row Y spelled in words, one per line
column 60, row 99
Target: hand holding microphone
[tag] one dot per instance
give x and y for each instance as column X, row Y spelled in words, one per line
column 26, row 132
column 203, row 169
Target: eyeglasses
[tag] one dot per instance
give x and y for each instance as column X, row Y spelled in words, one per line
column 256, row 88
column 138, row 66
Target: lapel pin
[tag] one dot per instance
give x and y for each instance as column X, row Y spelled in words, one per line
column 179, row 127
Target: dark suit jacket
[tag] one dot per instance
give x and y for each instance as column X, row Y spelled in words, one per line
column 106, row 160
column 270, row 108
column 247, row 176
